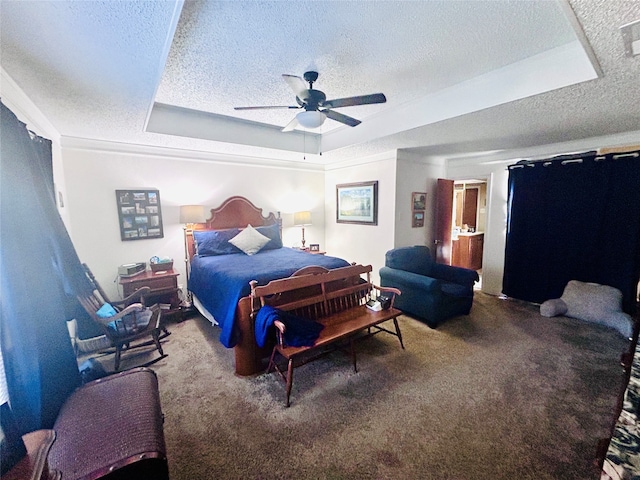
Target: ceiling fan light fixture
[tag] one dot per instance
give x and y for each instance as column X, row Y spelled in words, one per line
column 311, row 118
column 631, row 38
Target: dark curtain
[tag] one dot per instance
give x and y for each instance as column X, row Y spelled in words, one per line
column 573, row 219
column 42, row 159
column 40, row 274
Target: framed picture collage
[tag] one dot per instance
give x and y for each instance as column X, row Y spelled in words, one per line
column 139, row 214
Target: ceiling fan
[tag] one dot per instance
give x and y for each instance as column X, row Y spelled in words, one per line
column 315, row 104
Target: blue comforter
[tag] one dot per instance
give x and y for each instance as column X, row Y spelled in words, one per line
column 220, row 281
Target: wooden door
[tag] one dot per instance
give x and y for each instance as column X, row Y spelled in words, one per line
column 444, row 210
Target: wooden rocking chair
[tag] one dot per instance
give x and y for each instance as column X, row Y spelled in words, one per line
column 139, row 296
column 125, row 322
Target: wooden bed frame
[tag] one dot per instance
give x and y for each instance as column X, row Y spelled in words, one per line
column 238, row 212
column 235, row 212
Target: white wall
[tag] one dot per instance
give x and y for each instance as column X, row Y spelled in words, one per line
column 415, row 174
column 92, row 176
column 364, row 244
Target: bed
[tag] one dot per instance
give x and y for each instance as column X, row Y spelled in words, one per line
column 220, row 272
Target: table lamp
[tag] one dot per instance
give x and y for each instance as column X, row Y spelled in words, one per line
column 301, row 219
column 190, row 215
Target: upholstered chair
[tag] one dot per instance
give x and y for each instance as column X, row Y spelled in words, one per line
column 431, row 292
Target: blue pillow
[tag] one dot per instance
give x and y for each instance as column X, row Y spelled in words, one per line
column 215, row 242
column 273, row 233
column 106, row 311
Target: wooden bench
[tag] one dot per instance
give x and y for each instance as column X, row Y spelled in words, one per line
column 336, row 299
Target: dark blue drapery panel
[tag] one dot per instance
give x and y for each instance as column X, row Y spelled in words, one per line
column 40, row 274
column 573, row 220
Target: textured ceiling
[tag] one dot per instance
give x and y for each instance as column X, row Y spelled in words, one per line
column 460, row 77
column 228, row 54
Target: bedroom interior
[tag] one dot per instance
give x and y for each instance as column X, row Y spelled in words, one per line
column 539, row 79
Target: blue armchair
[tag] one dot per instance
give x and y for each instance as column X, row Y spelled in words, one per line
column 431, row 292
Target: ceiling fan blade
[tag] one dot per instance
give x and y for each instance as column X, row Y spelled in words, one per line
column 291, row 125
column 266, row 107
column 352, row 101
column 297, row 84
column 339, row 117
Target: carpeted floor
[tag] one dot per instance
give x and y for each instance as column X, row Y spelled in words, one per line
column 503, row 393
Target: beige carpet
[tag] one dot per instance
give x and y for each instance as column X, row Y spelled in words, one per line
column 503, row 393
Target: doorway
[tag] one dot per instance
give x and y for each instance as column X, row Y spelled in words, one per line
column 461, row 222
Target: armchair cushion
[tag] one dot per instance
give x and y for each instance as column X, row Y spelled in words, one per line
column 459, row 275
column 456, row 290
column 410, row 259
column 410, row 279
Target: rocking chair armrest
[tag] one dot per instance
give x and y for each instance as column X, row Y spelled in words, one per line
column 134, row 307
column 138, row 294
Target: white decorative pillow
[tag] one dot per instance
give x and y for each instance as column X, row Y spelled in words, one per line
column 249, row 240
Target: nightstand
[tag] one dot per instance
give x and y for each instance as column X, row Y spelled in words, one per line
column 315, row 252
column 164, row 290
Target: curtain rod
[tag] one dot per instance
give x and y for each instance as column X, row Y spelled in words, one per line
column 571, row 158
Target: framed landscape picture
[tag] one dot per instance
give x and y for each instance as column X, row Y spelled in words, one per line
column 417, row 220
column 357, row 203
column 418, row 201
column 139, row 214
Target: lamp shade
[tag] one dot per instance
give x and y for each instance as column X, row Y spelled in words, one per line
column 192, row 214
column 311, row 118
column 302, row 218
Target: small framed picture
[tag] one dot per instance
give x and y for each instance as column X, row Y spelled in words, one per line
column 314, row 247
column 418, row 219
column 418, row 201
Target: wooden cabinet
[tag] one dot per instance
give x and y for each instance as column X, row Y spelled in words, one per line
column 476, row 244
column 164, row 289
column 467, row 251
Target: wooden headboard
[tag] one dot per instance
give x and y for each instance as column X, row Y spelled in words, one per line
column 235, row 212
